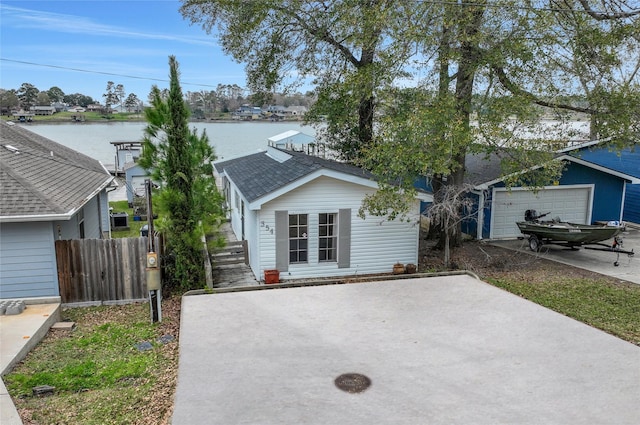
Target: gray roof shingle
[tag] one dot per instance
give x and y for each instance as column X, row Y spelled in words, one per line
column 259, row 174
column 41, row 177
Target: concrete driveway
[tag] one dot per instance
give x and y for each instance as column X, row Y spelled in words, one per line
column 440, row 350
column 597, row 261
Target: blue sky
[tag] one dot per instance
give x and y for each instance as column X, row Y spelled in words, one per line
column 127, row 42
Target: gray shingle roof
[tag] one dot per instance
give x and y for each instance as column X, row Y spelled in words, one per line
column 44, row 177
column 259, row 174
column 481, row 168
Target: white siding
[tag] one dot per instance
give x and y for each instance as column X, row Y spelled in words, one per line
column 27, row 261
column 235, row 214
column 376, row 244
column 252, row 231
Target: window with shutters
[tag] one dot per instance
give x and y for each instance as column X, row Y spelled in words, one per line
column 298, row 238
column 327, row 237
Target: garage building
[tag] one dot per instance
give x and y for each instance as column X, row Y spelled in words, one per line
column 585, row 193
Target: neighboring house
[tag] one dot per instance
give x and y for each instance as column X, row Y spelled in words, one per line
column 43, row 110
column 59, row 106
column 275, row 112
column 47, row 192
column 295, row 110
column 247, row 112
column 585, row 193
column 95, row 107
column 299, row 214
column 276, row 109
column 626, row 161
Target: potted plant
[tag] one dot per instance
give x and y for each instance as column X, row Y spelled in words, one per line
column 271, row 276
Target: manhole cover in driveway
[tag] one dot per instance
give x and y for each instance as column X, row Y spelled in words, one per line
column 352, row 382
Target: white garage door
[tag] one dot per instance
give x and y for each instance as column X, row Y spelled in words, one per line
column 569, row 203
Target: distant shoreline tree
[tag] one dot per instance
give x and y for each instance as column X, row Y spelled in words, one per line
column 56, row 94
column 8, row 101
column 132, row 103
column 28, row 95
column 78, row 99
column 114, row 95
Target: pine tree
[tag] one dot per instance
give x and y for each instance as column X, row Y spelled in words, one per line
column 188, row 200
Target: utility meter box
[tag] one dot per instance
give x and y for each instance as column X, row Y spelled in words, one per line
column 152, row 259
column 153, row 272
column 153, row 280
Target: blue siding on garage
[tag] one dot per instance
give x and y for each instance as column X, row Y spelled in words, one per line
column 470, row 220
column 608, row 191
column 607, row 196
column 27, row 261
column 626, row 161
column 632, row 204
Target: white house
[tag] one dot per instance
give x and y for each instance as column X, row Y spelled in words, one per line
column 299, row 215
column 47, row 192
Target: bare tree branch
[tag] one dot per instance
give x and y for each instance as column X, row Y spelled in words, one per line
column 514, row 89
column 607, row 16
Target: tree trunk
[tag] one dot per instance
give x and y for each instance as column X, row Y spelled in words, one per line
column 447, row 250
column 365, row 121
column 470, row 16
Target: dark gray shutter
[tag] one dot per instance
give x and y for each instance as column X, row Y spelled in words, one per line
column 282, row 241
column 344, row 238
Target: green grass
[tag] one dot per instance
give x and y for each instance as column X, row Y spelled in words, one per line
column 134, row 226
column 98, row 373
column 613, row 308
column 88, row 117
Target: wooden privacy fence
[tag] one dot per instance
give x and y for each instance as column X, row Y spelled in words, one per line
column 102, row 270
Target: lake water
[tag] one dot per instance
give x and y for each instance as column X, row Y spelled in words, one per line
column 228, row 139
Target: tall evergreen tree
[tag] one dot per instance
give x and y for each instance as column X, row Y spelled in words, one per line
column 188, row 200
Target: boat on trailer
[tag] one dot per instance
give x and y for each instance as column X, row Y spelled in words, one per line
column 571, row 235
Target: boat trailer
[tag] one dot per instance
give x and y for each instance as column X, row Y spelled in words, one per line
column 535, row 244
column 564, row 234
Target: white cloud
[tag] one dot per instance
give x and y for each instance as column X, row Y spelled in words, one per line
column 71, row 24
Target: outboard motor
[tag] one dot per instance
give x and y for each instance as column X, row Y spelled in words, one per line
column 530, row 215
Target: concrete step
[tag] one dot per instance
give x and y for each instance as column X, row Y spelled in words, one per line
column 217, row 262
column 230, row 249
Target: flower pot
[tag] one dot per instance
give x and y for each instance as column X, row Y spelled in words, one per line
column 410, row 268
column 398, row 268
column 271, row 276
